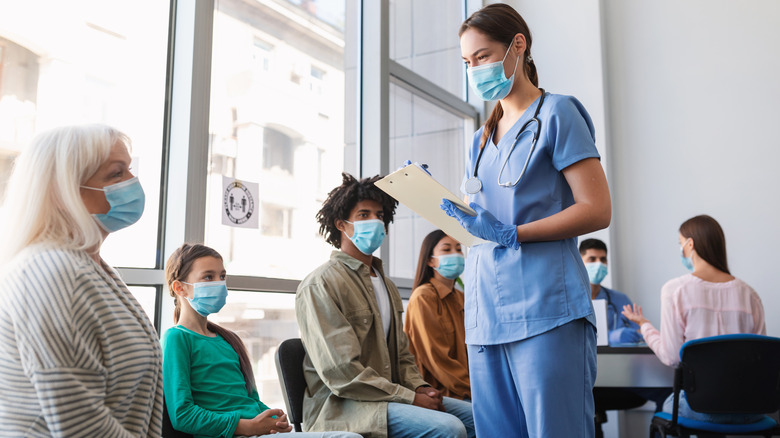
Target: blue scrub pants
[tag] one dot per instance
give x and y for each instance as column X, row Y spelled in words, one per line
column 538, row 387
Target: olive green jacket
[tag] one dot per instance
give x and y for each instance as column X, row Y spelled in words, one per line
column 351, row 370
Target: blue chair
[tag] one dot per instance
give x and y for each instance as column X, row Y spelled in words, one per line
column 728, row 374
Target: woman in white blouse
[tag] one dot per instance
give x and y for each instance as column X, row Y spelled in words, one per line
column 709, row 301
column 78, row 355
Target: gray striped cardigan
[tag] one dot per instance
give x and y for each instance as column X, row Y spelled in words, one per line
column 78, row 355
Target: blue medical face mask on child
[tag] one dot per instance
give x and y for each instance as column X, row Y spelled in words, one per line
column 126, row 199
column 686, row 261
column 451, row 265
column 368, row 235
column 209, row 297
column 596, row 272
column 489, row 81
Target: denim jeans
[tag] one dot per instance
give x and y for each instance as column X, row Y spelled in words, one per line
column 684, row 410
column 409, row 421
column 320, row 434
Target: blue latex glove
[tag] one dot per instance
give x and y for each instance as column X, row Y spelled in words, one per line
column 484, row 225
column 421, row 166
column 625, row 335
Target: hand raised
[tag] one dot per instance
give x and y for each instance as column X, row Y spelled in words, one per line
column 634, row 313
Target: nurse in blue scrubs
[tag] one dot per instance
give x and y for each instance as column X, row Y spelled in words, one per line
column 535, row 180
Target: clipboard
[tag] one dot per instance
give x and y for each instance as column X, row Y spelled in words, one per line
column 422, row 194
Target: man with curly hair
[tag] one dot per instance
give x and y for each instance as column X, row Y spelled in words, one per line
column 360, row 374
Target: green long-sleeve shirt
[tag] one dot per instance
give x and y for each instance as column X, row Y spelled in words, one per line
column 204, row 388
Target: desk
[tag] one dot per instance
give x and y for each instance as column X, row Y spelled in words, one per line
column 635, row 367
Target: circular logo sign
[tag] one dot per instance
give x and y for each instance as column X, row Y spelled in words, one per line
column 238, row 203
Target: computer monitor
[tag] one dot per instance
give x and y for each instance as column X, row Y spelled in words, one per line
column 602, row 322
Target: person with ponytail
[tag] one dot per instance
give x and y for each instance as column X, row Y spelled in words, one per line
column 534, row 179
column 708, row 301
column 434, row 317
column 207, row 375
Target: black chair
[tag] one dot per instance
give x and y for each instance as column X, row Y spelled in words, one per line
column 728, row 374
column 167, row 430
column 289, row 365
column 612, row 399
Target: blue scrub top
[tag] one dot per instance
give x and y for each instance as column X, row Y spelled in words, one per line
column 615, row 302
column 511, row 294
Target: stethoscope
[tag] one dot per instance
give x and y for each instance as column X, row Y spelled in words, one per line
column 474, row 185
column 617, row 312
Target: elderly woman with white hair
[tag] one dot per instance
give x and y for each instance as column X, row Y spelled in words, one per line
column 78, row 355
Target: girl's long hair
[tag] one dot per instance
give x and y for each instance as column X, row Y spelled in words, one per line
column 501, row 23
column 43, row 203
column 178, row 268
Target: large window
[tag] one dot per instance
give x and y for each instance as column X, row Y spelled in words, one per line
column 429, row 134
column 263, row 320
column 282, row 102
column 278, row 100
column 426, row 45
column 84, row 61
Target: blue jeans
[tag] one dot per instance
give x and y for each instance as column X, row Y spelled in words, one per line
column 320, row 434
column 684, row 410
column 409, row 421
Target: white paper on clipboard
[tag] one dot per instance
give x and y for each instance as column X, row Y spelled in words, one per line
column 414, row 188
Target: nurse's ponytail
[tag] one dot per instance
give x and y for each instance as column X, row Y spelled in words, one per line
column 500, row 23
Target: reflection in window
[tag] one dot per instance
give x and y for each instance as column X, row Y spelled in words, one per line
column 262, row 55
column 276, row 221
column 277, row 150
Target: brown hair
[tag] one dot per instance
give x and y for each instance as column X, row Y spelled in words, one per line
column 177, row 268
column 425, row 272
column 708, row 240
column 501, row 23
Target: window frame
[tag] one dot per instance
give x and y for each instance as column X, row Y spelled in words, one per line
column 186, row 145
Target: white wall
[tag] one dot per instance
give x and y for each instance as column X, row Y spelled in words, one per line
column 686, row 98
column 568, row 55
column 694, row 104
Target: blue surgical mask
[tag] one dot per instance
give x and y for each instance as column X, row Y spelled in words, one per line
column 368, row 235
column 596, row 272
column 686, row 261
column 489, row 81
column 126, row 199
column 451, row 265
column 209, row 296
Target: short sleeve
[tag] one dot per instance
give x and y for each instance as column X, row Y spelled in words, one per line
column 570, row 133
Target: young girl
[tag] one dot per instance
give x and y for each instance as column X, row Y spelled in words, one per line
column 207, row 376
column 434, row 317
